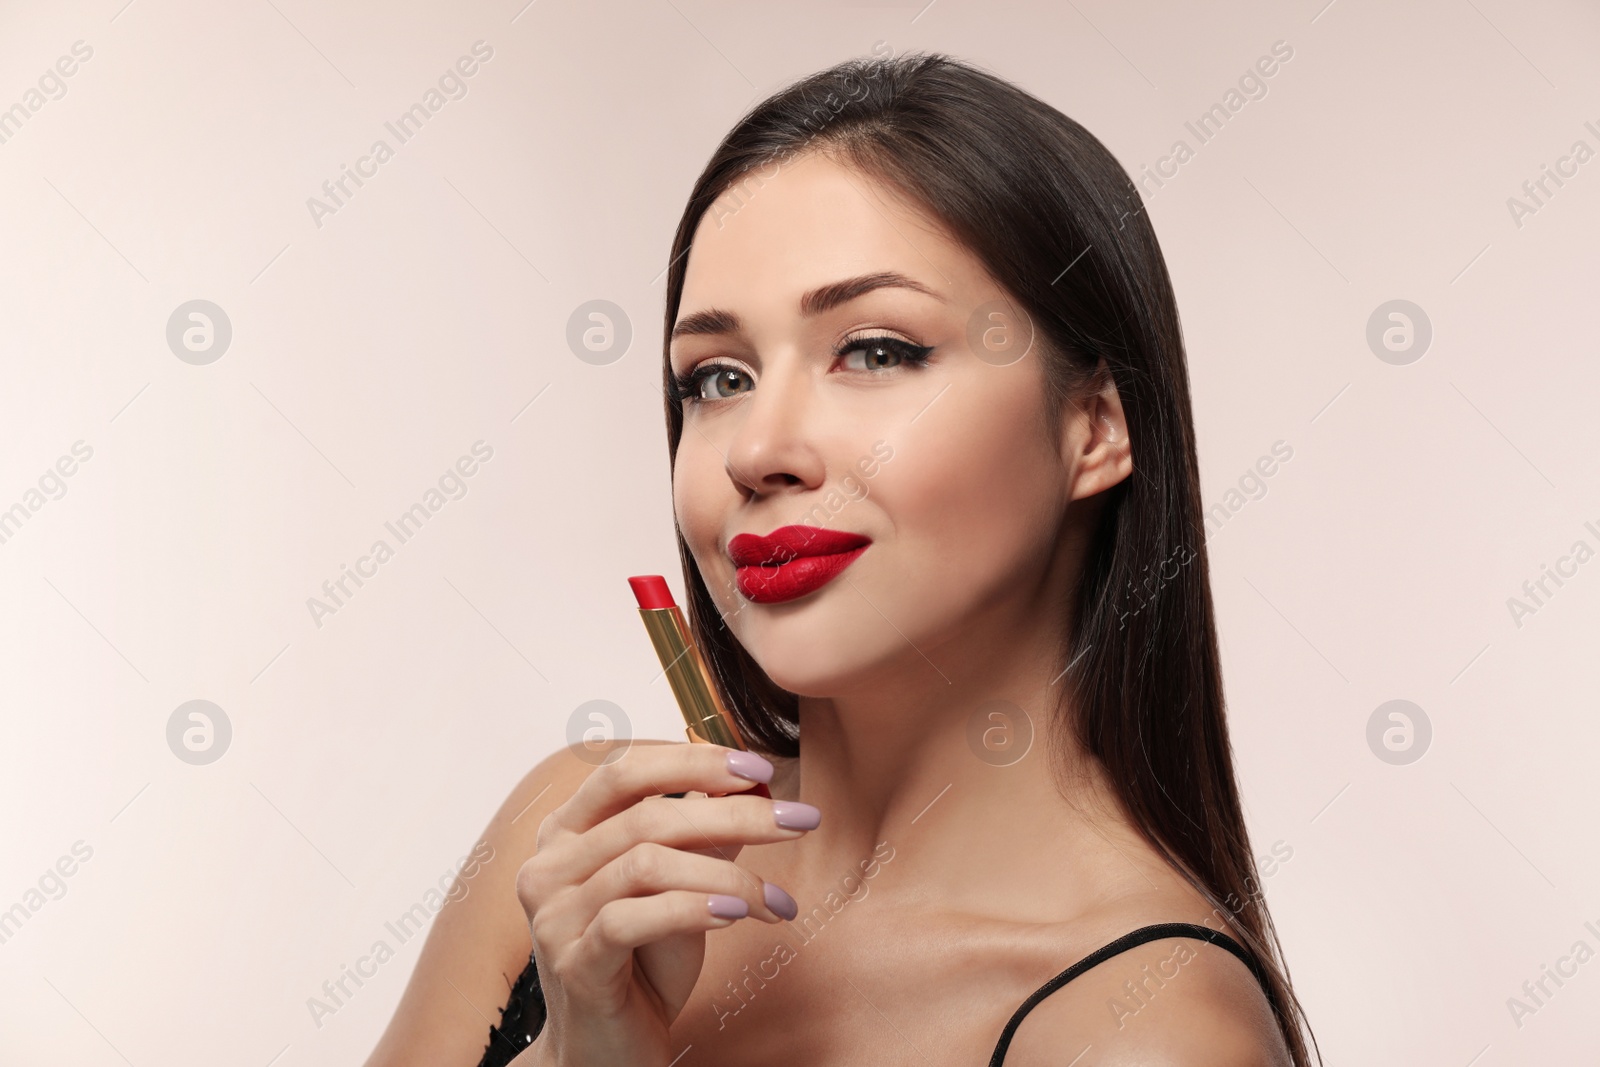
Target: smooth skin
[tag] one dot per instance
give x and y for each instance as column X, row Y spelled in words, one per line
column 997, row 877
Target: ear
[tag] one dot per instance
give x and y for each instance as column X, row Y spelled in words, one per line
column 1095, row 448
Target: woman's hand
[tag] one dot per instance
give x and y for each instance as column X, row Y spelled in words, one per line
column 624, row 884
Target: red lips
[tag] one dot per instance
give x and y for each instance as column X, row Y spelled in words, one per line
column 792, row 561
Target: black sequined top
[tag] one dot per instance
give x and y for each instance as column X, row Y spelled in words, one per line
column 520, row 1020
column 523, row 1016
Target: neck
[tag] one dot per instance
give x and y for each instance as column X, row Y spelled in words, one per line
column 962, row 774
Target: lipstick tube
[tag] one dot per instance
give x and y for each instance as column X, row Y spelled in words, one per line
column 708, row 720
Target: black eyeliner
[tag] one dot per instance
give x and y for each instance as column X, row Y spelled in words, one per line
column 908, row 350
column 686, row 386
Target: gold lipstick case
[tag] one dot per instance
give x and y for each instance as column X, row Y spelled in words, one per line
column 708, row 720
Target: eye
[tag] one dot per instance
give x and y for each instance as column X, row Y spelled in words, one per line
column 712, row 381
column 881, row 353
column 723, row 379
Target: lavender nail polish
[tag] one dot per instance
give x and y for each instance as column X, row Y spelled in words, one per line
column 726, row 907
column 779, row 901
column 749, row 766
column 793, row 815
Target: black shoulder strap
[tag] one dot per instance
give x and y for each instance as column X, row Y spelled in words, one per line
column 1129, row 940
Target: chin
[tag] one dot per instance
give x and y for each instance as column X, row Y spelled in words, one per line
column 809, row 658
column 806, row 682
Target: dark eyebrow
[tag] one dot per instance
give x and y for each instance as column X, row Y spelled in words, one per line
column 826, row 298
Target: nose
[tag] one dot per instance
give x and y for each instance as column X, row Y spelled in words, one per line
column 773, row 447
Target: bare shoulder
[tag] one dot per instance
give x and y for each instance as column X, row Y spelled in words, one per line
column 479, row 942
column 1170, row 1002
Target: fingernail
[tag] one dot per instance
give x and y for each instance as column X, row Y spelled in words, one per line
column 726, row 907
column 779, row 901
column 793, row 815
column 749, row 766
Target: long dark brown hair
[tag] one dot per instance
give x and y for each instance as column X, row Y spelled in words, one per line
column 1059, row 225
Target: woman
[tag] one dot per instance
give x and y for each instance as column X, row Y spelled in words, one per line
column 916, row 316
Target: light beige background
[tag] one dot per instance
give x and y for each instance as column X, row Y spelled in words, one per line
column 430, row 312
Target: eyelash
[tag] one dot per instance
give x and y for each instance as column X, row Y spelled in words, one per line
column 686, row 387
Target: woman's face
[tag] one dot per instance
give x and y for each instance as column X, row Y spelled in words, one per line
column 803, row 415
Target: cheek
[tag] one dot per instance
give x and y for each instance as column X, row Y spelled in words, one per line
column 701, row 495
column 974, row 500
column 689, row 497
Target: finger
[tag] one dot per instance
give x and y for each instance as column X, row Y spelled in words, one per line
column 650, row 868
column 719, row 827
column 652, row 770
column 627, row 923
column 709, row 851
